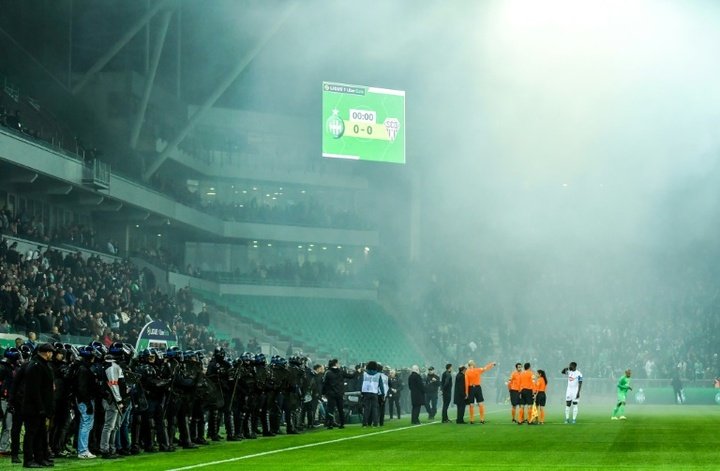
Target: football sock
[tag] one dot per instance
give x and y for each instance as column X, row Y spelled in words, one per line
column 621, row 409
column 472, row 412
column 521, row 414
column 542, row 415
column 567, row 412
column 575, row 411
column 481, row 408
column 514, row 412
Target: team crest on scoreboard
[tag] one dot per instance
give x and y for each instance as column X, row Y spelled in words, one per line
column 335, row 125
column 392, row 125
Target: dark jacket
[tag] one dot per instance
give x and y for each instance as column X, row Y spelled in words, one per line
column 446, row 384
column 432, row 384
column 459, row 389
column 334, row 382
column 85, row 383
column 38, row 389
column 417, row 389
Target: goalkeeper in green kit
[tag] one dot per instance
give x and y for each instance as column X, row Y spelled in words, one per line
column 623, row 387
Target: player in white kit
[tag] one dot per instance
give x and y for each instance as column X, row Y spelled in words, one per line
column 572, row 394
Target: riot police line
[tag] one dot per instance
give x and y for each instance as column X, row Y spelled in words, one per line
column 114, row 402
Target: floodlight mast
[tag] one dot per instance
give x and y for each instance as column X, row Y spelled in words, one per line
column 115, row 48
column 150, row 79
column 219, row 90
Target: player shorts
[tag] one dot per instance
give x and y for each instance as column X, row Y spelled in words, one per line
column 514, row 397
column 572, row 396
column 474, row 395
column 526, row 397
column 622, row 396
column 540, row 399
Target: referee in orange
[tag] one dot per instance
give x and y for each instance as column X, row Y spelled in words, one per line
column 473, row 391
column 527, row 384
column 514, row 389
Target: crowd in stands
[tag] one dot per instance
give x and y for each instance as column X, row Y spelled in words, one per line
column 73, row 234
column 55, row 294
column 24, row 115
column 297, row 213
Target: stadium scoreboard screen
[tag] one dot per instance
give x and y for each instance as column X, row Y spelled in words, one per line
column 363, row 123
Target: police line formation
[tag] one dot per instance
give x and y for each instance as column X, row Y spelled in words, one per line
column 114, row 402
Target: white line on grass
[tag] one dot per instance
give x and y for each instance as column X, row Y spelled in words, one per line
column 292, row 448
column 309, row 445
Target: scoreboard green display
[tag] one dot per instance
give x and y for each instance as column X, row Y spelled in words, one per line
column 363, row 123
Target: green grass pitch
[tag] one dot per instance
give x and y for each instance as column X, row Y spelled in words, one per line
column 653, row 437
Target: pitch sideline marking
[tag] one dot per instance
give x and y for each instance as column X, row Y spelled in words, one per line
column 308, row 445
column 292, row 448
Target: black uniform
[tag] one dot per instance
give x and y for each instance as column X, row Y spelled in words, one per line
column 218, row 372
column 417, row 396
column 334, row 390
column 432, row 385
column 37, row 407
column 446, row 390
column 394, row 394
column 460, row 396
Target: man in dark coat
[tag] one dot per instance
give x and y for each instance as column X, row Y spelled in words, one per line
column 460, row 395
column 417, row 394
column 432, row 385
column 37, row 407
column 446, row 389
column 333, row 388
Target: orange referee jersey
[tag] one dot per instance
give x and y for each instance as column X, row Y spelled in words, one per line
column 514, row 384
column 473, row 376
column 540, row 384
column 526, row 380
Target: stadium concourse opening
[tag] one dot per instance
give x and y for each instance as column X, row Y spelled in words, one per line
column 249, row 231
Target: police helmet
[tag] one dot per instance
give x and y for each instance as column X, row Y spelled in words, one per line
column 219, row 352
column 25, row 351
column 120, row 350
column 260, row 359
column 100, row 348
column 12, row 354
column 246, row 356
column 175, row 352
column 87, row 352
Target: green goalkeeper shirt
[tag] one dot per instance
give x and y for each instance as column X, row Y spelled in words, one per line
column 623, row 385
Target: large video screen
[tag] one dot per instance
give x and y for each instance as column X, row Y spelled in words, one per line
column 363, row 123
